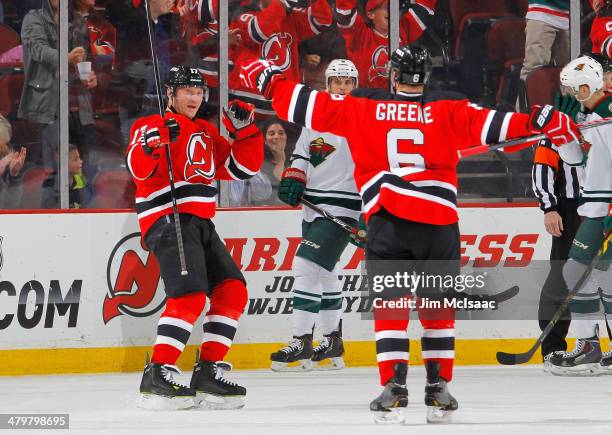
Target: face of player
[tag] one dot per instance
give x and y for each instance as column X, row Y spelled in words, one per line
column 187, row 101
column 380, row 18
column 608, row 81
column 75, row 164
column 276, row 138
column 341, row 85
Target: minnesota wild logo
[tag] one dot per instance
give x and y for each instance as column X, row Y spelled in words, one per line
column 319, row 151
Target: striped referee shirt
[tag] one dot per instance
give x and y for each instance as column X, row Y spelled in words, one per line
column 552, row 178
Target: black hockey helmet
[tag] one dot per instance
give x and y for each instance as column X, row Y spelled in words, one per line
column 412, row 64
column 184, row 76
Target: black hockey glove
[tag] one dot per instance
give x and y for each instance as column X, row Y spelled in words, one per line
column 237, row 118
column 158, row 133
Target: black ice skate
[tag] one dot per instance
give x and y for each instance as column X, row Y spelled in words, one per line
column 606, row 363
column 328, row 354
column 158, row 390
column 584, row 360
column 440, row 404
column 212, row 390
column 299, row 351
column 390, row 405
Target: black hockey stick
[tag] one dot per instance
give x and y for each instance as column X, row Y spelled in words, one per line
column 480, row 149
column 346, row 227
column 160, row 101
column 510, row 359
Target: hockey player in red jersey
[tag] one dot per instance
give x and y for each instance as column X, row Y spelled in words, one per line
column 404, row 146
column 199, row 155
column 366, row 44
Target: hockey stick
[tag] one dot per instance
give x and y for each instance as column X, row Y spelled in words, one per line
column 511, row 359
column 160, row 101
column 480, row 149
column 346, row 227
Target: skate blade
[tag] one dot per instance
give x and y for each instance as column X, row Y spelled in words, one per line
column 330, row 364
column 605, row 370
column 436, row 415
column 393, row 416
column 213, row 401
column 583, row 370
column 304, row 365
column 155, row 402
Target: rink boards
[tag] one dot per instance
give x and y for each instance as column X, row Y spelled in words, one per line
column 78, row 293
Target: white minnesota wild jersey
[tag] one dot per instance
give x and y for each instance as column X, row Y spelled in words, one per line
column 596, row 188
column 327, row 162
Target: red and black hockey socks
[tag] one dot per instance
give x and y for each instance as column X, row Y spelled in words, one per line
column 226, row 306
column 175, row 326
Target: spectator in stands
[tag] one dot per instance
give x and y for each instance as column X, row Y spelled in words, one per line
column 367, row 41
column 547, row 35
column 273, row 29
column 11, row 165
column 130, row 21
column 90, row 30
column 276, row 155
column 79, row 192
column 40, row 98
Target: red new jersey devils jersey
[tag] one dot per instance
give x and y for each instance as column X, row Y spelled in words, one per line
column 405, row 150
column 601, row 35
column 199, row 156
column 367, row 48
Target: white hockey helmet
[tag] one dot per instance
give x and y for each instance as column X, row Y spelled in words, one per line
column 583, row 70
column 341, row 68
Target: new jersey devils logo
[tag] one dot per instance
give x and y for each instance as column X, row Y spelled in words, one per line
column 133, row 280
column 379, row 64
column 200, row 161
column 277, row 49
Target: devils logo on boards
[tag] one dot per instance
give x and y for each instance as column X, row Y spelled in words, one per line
column 200, row 161
column 133, row 278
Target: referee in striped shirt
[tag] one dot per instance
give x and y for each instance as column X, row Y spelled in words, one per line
column 557, row 187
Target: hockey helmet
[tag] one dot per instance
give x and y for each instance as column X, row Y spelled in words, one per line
column 412, row 65
column 183, row 76
column 583, row 70
column 603, row 60
column 341, row 68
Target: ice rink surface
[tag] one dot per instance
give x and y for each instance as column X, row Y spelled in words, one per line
column 492, row 400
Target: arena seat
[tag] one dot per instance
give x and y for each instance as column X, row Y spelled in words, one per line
column 33, row 179
column 542, row 84
column 113, row 188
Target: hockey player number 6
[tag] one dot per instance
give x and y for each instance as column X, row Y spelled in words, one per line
column 402, row 164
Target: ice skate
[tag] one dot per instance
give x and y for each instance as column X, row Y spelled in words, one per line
column 328, row 354
column 606, row 363
column 390, row 405
column 212, row 390
column 159, row 391
column 440, row 404
column 584, row 360
column 295, row 357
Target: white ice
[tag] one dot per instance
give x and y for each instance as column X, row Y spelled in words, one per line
column 492, row 400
